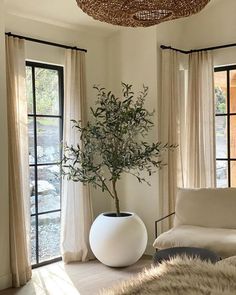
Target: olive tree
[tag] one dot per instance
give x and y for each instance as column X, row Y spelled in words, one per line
column 114, row 142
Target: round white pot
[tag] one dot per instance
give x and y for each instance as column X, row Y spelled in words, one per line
column 118, row 241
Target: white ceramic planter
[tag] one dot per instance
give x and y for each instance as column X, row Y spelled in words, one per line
column 118, row 241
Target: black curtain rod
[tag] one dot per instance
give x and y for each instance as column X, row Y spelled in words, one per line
column 198, row 50
column 45, row 42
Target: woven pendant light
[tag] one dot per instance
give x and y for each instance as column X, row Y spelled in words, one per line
column 140, row 13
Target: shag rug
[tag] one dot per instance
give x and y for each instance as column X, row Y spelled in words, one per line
column 182, row 276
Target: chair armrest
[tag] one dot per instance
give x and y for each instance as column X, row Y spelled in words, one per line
column 156, row 222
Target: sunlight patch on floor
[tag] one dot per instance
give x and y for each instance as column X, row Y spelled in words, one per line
column 54, row 280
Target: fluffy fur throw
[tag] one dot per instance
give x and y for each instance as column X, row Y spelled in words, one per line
column 182, row 276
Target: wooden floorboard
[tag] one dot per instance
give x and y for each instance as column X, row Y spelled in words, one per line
column 76, row 278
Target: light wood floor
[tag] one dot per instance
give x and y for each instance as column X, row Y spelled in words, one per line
column 76, row 278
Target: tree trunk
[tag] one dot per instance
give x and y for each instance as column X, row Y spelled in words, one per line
column 117, row 202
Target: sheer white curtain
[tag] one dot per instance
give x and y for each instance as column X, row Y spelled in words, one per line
column 76, row 203
column 200, row 130
column 168, row 131
column 186, row 119
column 18, row 161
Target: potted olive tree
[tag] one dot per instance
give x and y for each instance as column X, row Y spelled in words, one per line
column 113, row 143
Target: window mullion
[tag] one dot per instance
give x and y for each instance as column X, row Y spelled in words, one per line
column 36, row 169
column 228, row 126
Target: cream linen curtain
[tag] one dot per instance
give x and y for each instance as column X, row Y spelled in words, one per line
column 76, row 203
column 18, row 161
column 200, row 132
column 168, row 131
column 186, row 119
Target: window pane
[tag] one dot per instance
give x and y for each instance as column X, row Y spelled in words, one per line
column 233, row 137
column 45, row 228
column 221, row 136
column 49, row 236
column 48, row 140
column 47, row 92
column 233, row 91
column 33, row 240
column 48, row 188
column 32, row 190
column 222, row 173
column 29, row 89
column 221, row 92
column 31, row 140
column 233, row 173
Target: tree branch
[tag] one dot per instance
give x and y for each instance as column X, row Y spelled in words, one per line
column 104, row 183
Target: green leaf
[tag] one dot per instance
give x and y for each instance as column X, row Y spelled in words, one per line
column 114, row 141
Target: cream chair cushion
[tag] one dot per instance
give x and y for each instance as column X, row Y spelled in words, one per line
column 219, row 240
column 206, row 207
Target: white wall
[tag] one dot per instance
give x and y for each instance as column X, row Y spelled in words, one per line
column 5, row 278
column 214, row 26
column 134, row 58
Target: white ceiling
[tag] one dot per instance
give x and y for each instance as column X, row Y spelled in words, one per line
column 58, row 12
column 61, row 12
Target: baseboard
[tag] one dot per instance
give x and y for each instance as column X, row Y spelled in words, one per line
column 5, row 281
column 150, row 250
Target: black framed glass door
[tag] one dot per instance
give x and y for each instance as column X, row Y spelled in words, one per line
column 45, row 121
column 225, row 125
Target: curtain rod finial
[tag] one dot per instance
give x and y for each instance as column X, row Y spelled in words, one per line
column 164, row 47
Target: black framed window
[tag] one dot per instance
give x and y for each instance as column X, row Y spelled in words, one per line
column 44, row 85
column 225, row 125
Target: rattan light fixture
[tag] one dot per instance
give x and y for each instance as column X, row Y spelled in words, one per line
column 140, row 13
